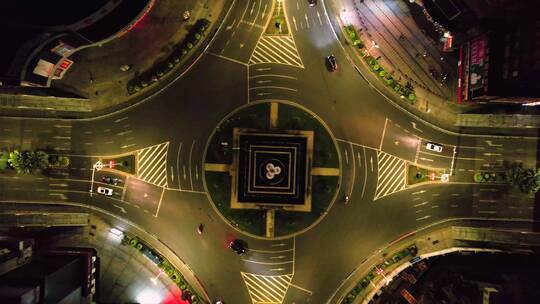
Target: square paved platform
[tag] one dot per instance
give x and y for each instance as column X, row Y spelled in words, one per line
column 270, row 170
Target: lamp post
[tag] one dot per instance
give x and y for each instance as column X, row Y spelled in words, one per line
column 373, row 45
column 97, row 166
column 154, row 279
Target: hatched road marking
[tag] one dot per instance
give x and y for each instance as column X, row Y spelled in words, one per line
column 391, row 175
column 276, row 49
column 152, row 164
column 267, row 289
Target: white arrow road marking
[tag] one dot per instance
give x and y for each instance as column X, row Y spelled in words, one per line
column 307, row 21
column 346, row 157
column 264, row 11
column 121, row 208
column 172, row 174
column 371, row 162
column 414, row 127
column 252, row 8
column 184, row 169
column 294, row 22
column 263, row 69
column 230, row 26
column 423, row 218
column 490, row 143
column 319, row 16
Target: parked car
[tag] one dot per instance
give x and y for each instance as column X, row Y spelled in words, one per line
column 434, row 147
column 331, row 63
column 105, row 191
column 238, row 246
column 111, row 180
column 312, row 2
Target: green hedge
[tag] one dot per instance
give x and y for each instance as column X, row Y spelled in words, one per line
column 170, row 270
column 365, row 282
column 163, row 68
column 359, row 45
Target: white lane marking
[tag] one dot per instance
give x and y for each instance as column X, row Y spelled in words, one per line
column 319, row 16
column 121, row 119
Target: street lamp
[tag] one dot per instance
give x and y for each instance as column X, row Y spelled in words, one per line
column 373, row 45
column 154, row 279
column 97, row 166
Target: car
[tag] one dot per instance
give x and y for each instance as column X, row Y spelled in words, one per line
column 434, row 147
column 105, row 191
column 312, row 2
column 111, row 180
column 331, row 63
column 238, row 246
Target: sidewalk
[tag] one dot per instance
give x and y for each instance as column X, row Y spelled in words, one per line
column 444, row 237
column 96, row 73
column 400, row 46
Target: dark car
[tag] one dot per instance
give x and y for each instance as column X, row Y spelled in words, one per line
column 331, row 63
column 111, row 180
column 312, row 2
column 238, row 246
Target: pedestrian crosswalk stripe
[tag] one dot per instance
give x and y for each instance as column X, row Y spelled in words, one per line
column 391, row 174
column 265, row 289
column 276, row 49
column 152, row 164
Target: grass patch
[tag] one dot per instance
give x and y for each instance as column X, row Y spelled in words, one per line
column 287, row 222
column 278, row 23
column 4, row 156
column 324, row 151
column 251, row 221
column 255, row 117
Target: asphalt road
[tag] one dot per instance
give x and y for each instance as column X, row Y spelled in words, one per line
column 169, row 131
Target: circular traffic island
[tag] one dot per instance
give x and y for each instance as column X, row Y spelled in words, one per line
column 271, row 169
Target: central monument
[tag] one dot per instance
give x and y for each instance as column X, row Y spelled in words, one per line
column 271, row 169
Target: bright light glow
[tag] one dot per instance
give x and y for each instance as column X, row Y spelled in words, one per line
column 148, row 296
column 445, row 177
column 116, row 232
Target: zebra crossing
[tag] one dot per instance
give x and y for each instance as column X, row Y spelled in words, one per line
column 152, row 164
column 267, row 289
column 276, row 49
column 391, row 176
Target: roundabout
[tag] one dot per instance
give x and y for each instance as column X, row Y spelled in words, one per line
column 272, row 169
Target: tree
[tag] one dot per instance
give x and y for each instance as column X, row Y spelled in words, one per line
column 27, row 162
column 527, row 180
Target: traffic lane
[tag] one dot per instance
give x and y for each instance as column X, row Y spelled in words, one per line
column 273, row 93
column 348, row 234
column 348, row 170
column 143, row 195
column 398, row 142
column 256, row 12
column 29, row 134
column 207, row 254
column 331, row 97
column 230, row 26
column 169, row 114
column 271, row 262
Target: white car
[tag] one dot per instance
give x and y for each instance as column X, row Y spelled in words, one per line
column 434, row 147
column 105, row 191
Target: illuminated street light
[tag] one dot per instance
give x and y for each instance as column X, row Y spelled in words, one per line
column 116, row 232
column 97, row 166
column 154, row 279
column 373, row 45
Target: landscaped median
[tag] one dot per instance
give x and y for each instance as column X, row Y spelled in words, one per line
column 163, row 68
column 405, row 91
column 188, row 293
column 378, row 272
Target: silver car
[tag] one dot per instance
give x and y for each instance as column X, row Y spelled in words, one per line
column 434, row 147
column 105, row 191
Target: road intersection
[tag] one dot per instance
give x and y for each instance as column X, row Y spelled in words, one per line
column 376, row 141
